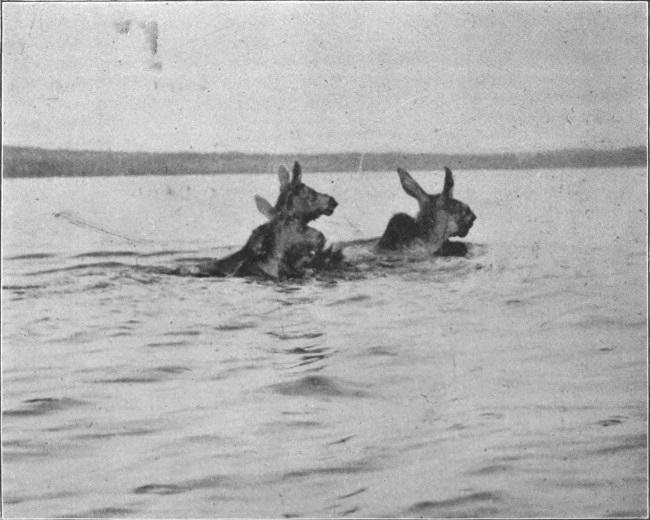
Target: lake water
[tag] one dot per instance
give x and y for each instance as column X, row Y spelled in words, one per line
column 510, row 383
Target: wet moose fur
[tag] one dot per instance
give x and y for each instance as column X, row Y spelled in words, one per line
column 285, row 245
column 440, row 217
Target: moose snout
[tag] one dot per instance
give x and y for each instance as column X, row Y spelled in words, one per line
column 331, row 204
column 466, row 223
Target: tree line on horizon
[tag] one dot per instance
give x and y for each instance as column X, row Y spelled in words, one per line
column 40, row 162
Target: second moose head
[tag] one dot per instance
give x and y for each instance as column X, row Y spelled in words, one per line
column 440, row 217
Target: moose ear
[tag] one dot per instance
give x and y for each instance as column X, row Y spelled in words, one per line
column 297, row 173
column 264, row 207
column 288, row 202
column 447, row 191
column 283, row 175
column 411, row 187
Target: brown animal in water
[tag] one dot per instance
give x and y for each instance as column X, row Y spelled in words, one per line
column 285, row 245
column 440, row 217
column 299, row 200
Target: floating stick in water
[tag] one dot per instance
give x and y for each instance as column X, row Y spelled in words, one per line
column 76, row 221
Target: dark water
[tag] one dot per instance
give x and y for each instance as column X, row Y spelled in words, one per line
column 509, row 383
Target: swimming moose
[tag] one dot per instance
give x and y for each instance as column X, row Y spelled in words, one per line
column 284, row 246
column 440, row 217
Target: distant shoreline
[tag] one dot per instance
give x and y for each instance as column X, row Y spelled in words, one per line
column 28, row 162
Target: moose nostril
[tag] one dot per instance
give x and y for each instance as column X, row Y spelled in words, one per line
column 333, row 203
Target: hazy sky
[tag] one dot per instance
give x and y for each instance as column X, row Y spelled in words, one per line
column 311, row 77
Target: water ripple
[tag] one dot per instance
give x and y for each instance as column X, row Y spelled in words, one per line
column 209, row 482
column 103, row 254
column 305, row 335
column 354, row 493
column 362, row 466
column 491, row 469
column 236, row 325
column 42, row 406
column 450, row 507
column 627, row 443
column 352, row 299
column 98, row 266
column 318, row 386
column 105, row 512
column 168, row 344
column 33, row 256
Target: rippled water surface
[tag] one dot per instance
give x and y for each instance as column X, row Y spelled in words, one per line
column 509, row 383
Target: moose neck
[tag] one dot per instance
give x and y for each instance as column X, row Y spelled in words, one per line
column 436, row 235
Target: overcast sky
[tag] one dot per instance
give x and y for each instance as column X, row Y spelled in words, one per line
column 325, row 77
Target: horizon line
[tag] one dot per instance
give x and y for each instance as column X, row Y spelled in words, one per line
column 354, row 152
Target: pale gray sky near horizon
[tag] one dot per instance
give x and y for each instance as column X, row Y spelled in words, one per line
column 325, row 77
